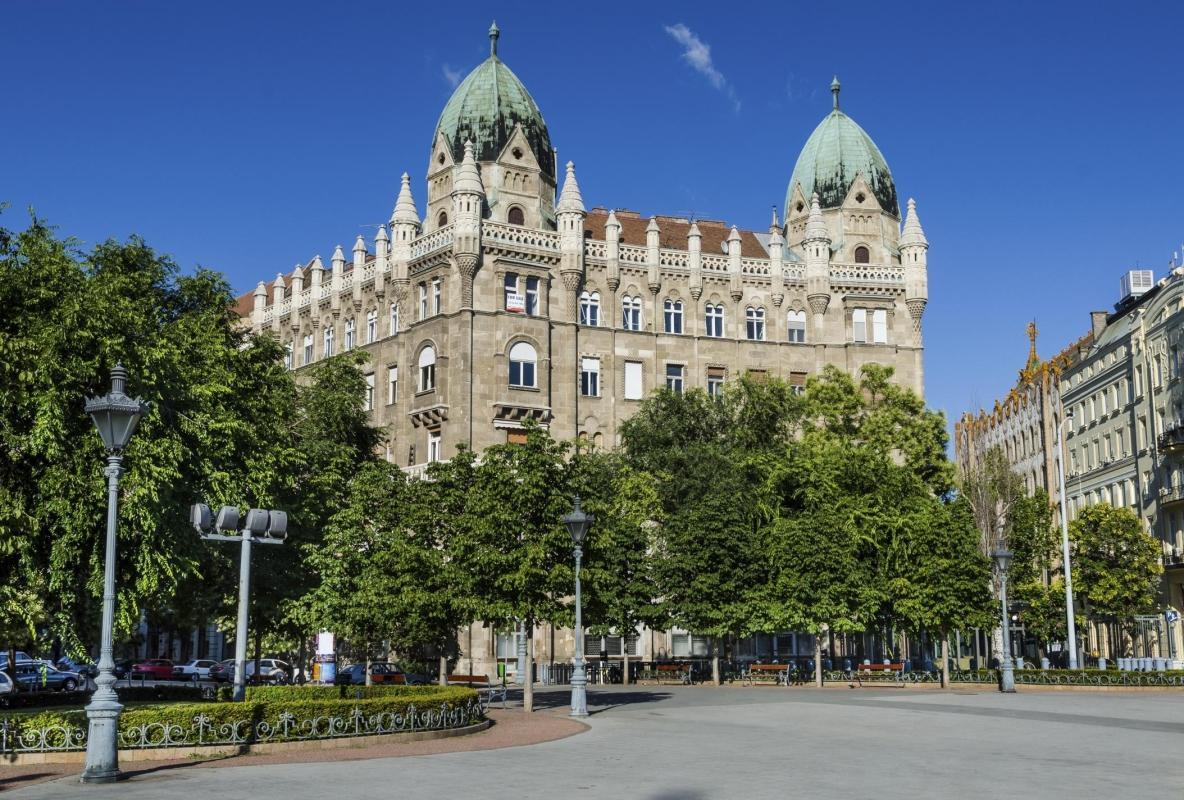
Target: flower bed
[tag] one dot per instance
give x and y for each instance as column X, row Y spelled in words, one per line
column 291, row 717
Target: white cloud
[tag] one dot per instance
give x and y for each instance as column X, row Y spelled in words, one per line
column 698, row 54
column 451, row 75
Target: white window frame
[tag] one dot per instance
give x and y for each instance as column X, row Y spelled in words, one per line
column 631, row 313
column 880, row 326
column 590, row 376
column 715, row 382
column 524, row 360
column 590, row 309
column 394, row 318
column 423, row 300
column 392, row 384
column 434, row 446
column 859, row 325
column 634, row 383
column 369, row 401
column 754, row 323
column 427, row 369
column 532, row 296
column 437, row 295
column 289, row 356
column 371, row 327
column 308, row 348
column 796, row 324
column 714, row 314
column 347, row 342
column 327, row 350
column 672, row 316
column 676, row 381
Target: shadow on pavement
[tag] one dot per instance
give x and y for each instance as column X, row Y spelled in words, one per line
column 598, row 702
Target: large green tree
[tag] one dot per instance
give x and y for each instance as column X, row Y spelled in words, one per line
column 1116, row 566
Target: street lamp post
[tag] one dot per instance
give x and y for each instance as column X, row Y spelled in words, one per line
column 1006, row 666
column 262, row 527
column 116, row 416
column 578, row 522
column 1072, row 622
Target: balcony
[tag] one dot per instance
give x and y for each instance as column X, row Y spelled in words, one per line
column 1172, row 439
column 1170, row 495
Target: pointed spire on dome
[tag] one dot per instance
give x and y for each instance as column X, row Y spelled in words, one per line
column 774, row 225
column 834, row 90
column 405, row 204
column 570, row 198
column 494, row 32
column 338, row 254
column 468, row 176
column 815, row 226
column 912, row 234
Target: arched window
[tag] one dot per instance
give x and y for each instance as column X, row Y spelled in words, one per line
column 590, row 308
column 672, row 316
column 394, row 318
column 289, row 362
column 754, row 319
column 427, row 369
column 515, row 216
column 797, row 327
column 328, row 349
column 442, row 220
column 348, row 343
column 523, row 360
column 631, row 313
column 715, row 320
column 371, row 327
column 862, row 255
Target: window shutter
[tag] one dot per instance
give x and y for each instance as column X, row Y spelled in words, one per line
column 633, row 384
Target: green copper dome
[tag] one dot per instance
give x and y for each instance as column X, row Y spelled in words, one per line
column 835, row 153
column 486, row 107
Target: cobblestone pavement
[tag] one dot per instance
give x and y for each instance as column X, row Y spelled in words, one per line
column 661, row 743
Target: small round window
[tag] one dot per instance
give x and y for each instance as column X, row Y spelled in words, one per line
column 517, row 152
column 859, row 198
column 800, row 206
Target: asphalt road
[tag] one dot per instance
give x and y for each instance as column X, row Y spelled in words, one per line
column 662, row 743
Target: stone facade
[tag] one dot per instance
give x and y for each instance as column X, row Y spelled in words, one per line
column 505, row 303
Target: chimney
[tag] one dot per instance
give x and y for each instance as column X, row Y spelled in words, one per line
column 1097, row 320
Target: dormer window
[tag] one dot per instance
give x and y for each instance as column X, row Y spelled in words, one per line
column 440, row 158
column 800, row 207
column 862, row 255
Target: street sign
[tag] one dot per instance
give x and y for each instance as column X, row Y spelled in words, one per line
column 1172, row 615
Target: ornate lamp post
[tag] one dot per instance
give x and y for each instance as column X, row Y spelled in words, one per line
column 578, row 523
column 1069, row 615
column 1006, row 667
column 116, row 416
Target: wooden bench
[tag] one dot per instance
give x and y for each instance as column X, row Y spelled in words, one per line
column 675, row 673
column 893, row 672
column 765, row 673
column 487, row 690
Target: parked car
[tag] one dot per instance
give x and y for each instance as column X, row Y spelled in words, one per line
column 33, row 676
column 123, row 668
column 381, row 672
column 81, row 667
column 154, row 669
column 195, row 670
column 223, row 671
column 21, row 655
column 271, row 670
column 6, row 688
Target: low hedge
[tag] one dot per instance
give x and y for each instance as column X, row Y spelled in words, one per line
column 342, row 692
column 126, row 694
column 182, row 715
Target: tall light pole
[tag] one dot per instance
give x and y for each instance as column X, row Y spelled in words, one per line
column 1006, row 667
column 116, row 416
column 262, row 527
column 578, row 522
column 1069, row 615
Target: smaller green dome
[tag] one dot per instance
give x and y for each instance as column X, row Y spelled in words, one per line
column 486, row 107
column 835, row 153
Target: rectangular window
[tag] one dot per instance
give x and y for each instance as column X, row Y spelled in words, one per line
column 1105, row 398
column 880, row 326
column 715, row 381
column 423, row 301
column 672, row 316
column 370, row 392
column 392, row 384
column 532, row 296
column 372, row 327
column 797, row 327
column 590, row 377
column 437, row 296
column 631, row 313
column 515, row 302
column 674, row 377
column 433, row 445
column 859, row 325
column 633, row 380
column 394, row 318
column 348, row 344
column 288, row 356
column 715, row 320
column 308, row 349
column 758, row 375
column 754, row 324
column 797, row 382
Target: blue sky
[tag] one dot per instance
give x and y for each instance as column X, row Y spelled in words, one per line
column 1041, row 140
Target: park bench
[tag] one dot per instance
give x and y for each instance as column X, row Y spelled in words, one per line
column 767, row 673
column 487, row 690
column 892, row 672
column 674, row 673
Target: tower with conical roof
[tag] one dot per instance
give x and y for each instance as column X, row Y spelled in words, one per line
column 511, row 146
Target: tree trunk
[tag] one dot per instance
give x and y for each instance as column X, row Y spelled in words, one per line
column 443, row 670
column 625, row 662
column 715, row 676
column 528, row 678
column 301, row 664
column 945, row 661
column 10, row 667
column 818, row 661
column 997, row 645
column 369, row 662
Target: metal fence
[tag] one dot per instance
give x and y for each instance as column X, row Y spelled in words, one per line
column 202, row 731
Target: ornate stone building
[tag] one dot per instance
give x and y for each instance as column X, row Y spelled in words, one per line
column 507, row 301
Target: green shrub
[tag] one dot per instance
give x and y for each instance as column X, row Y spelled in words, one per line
column 299, row 693
column 181, row 717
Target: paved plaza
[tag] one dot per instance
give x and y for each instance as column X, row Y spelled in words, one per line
column 662, row 743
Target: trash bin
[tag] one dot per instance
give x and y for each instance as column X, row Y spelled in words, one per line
column 1044, row 663
column 1101, row 663
column 1161, row 664
column 501, row 670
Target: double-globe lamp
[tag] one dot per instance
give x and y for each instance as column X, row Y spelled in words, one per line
column 578, row 523
column 116, row 416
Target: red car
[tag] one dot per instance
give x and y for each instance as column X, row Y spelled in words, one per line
column 154, row 669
